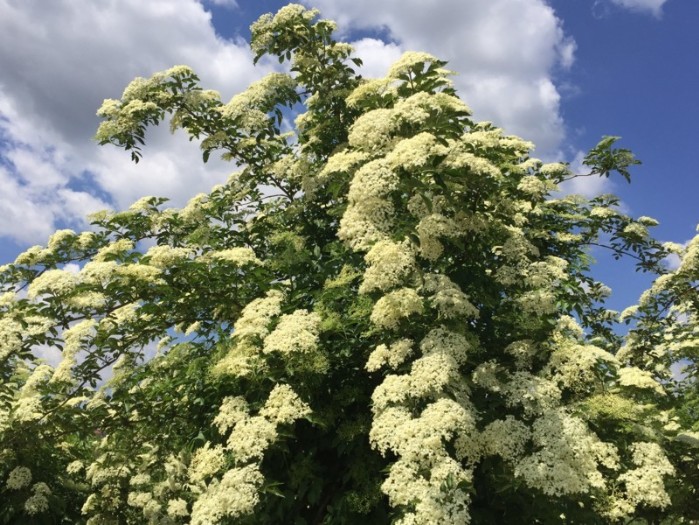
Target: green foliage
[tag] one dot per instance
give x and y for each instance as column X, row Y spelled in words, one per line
column 387, row 316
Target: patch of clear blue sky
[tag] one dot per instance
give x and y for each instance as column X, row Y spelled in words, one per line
column 636, row 76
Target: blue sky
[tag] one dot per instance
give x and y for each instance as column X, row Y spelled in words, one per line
column 561, row 73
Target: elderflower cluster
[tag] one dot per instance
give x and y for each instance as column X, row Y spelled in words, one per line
column 369, row 215
column 441, row 340
column 408, row 62
column 459, row 158
column 643, row 485
column 251, row 437
column 19, row 478
column 74, row 339
column 231, row 411
column 250, row 329
column 38, row 502
column 177, row 508
column 567, row 456
column 430, row 229
column 415, row 152
column 206, row 462
column 12, row 332
column 249, row 109
column 344, row 161
column 372, row 132
column 506, row 438
column 447, row 297
column 392, row 355
column 371, row 89
column 417, row 479
column 265, row 29
column 255, row 318
column 390, row 264
column 56, row 282
column 632, row 376
column 421, row 106
column 395, row 306
column 576, row 367
column 296, row 332
column 429, row 375
column 523, row 352
column 236, row 256
column 236, row 494
column 28, row 406
column 284, row 406
column 536, row 395
column 164, row 256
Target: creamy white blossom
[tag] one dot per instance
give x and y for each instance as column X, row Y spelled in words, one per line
column 394, row 306
column 284, row 406
column 390, row 264
column 19, row 478
column 392, row 355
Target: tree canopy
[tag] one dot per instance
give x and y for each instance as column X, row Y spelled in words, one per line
column 387, row 315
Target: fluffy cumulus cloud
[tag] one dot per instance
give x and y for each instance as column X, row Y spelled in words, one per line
column 59, row 60
column 505, row 51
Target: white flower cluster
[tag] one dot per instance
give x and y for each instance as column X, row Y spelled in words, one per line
column 577, row 367
column 395, row 306
column 236, row 492
column 251, row 328
column 38, row 502
column 236, row 256
column 28, row 406
column 631, row 376
column 250, row 108
column 392, row 355
column 390, row 263
column 417, row 480
column 447, row 297
column 56, row 282
column 372, row 132
column 369, row 215
column 13, row 332
column 430, row 228
column 643, row 485
column 295, row 333
column 206, row 462
column 74, row 339
column 266, row 28
column 415, row 152
column 419, row 107
column 19, row 478
column 567, row 456
column 163, row 256
column 506, row 438
column 408, row 62
column 231, row 411
column 284, row 406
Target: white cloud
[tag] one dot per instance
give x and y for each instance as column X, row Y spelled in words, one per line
column 505, row 52
column 59, row 60
column 651, row 6
column 377, row 56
